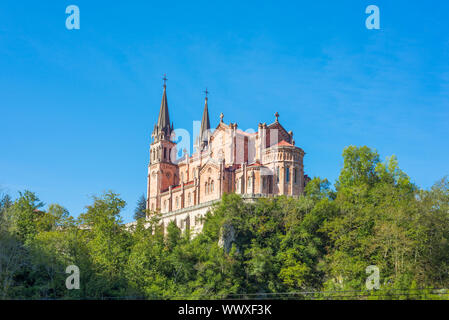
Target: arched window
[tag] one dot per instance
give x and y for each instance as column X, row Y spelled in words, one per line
column 287, row 171
column 165, row 205
column 212, row 186
column 205, row 188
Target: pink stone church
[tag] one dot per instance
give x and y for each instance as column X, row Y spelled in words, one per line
column 265, row 163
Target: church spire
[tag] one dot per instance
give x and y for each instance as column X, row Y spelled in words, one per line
column 205, row 123
column 163, row 123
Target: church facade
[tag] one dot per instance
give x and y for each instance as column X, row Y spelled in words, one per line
column 227, row 159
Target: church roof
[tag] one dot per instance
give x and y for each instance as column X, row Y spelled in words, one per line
column 256, row 164
column 284, row 143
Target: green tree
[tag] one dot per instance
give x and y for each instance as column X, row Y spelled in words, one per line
column 108, row 241
column 431, row 233
column 376, row 205
column 5, row 204
column 26, row 213
column 141, row 209
column 318, row 188
column 13, row 258
column 359, row 166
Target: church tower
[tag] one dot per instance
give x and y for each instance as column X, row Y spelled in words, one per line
column 162, row 171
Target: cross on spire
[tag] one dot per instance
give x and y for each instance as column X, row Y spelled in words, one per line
column 277, row 116
column 165, row 79
column 206, row 92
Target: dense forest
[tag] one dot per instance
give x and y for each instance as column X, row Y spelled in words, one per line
column 317, row 246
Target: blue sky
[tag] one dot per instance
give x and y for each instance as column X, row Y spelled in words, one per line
column 77, row 107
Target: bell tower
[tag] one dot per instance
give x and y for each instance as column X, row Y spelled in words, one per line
column 162, row 170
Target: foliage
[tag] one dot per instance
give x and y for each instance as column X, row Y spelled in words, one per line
column 140, row 210
column 317, row 245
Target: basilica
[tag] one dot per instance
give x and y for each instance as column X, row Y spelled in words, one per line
column 226, row 159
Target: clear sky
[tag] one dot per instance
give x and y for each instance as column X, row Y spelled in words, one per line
column 77, row 107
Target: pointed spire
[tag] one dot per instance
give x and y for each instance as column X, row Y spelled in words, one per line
column 205, row 122
column 164, row 119
column 163, row 122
